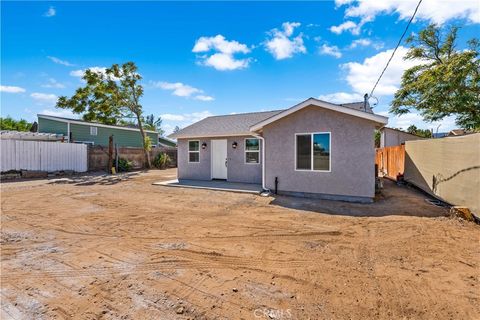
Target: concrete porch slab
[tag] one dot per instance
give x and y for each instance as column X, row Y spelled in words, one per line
column 219, row 185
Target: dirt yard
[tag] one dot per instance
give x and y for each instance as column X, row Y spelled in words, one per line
column 122, row 248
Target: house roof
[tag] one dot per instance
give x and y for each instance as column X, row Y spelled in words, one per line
column 221, row 126
column 89, row 123
column 352, row 109
column 248, row 123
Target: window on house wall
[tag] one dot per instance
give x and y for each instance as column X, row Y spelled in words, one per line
column 194, row 151
column 93, row 131
column 312, row 151
column 252, row 151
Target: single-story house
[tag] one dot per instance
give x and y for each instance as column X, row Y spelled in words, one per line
column 80, row 131
column 394, row 137
column 165, row 142
column 314, row 149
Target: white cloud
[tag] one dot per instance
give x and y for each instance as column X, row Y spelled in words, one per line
column 281, row 45
column 341, row 97
column 178, row 89
column 60, row 113
column 365, row 42
column 430, row 10
column 182, row 90
column 330, row 51
column 182, row 120
column 79, row 73
column 50, row 12
column 59, row 61
column 202, row 97
column 406, row 120
column 346, row 26
column 11, row 89
column 44, row 97
column 224, row 50
column 362, row 76
column 52, row 83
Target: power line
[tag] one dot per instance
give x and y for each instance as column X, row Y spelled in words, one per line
column 395, row 50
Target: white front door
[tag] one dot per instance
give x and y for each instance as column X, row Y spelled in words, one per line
column 219, row 159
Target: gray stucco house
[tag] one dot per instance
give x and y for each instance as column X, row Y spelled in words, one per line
column 315, row 149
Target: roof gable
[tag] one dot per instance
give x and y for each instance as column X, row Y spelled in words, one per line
column 350, row 109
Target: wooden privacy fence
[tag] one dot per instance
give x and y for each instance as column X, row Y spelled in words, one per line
column 391, row 161
column 42, row 156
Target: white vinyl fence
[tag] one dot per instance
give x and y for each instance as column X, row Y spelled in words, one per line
column 42, row 156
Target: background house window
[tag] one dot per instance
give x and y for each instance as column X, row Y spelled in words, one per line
column 252, row 151
column 313, row 151
column 93, row 131
column 194, row 151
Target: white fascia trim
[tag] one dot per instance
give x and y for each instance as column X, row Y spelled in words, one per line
column 249, row 134
column 91, row 124
column 321, row 104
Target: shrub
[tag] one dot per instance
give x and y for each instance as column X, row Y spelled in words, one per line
column 161, row 161
column 124, row 165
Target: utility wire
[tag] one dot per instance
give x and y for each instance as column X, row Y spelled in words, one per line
column 395, row 50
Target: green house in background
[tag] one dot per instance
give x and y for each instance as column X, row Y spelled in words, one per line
column 79, row 131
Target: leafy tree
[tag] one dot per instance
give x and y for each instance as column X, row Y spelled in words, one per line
column 419, row 132
column 154, row 125
column 377, row 138
column 8, row 123
column 110, row 96
column 446, row 83
column 176, row 129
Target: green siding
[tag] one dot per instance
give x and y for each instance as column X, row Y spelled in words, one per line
column 52, row 126
column 124, row 138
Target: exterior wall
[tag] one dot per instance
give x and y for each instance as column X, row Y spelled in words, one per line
column 51, row 126
column 352, row 174
column 124, row 138
column 195, row 171
column 390, row 137
column 238, row 170
column 448, row 168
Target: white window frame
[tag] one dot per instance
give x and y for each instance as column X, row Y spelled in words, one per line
column 245, row 151
column 311, row 151
column 93, row 131
column 188, row 149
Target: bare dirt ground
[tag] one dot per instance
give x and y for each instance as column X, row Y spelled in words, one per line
column 122, row 248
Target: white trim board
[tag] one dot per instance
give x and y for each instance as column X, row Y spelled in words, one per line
column 322, row 104
column 90, row 123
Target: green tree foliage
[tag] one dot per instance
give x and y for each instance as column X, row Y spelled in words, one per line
column 419, row 132
column 154, row 125
column 176, row 129
column 8, row 123
column 110, row 96
column 446, row 83
column 377, row 138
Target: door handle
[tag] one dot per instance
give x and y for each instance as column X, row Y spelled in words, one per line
column 226, row 163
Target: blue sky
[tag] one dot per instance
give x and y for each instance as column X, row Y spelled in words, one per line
column 209, row 58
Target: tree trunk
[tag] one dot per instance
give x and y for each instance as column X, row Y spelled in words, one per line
column 148, row 163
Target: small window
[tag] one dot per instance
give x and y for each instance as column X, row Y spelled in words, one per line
column 313, row 151
column 93, row 131
column 252, row 151
column 194, row 151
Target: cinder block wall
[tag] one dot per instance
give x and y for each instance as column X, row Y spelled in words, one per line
column 98, row 156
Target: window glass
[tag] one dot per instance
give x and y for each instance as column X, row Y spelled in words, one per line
column 193, row 145
column 194, row 157
column 252, row 144
column 93, row 131
column 304, row 152
column 321, row 151
column 252, row 157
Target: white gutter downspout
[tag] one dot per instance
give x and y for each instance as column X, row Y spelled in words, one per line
column 263, row 161
column 68, row 132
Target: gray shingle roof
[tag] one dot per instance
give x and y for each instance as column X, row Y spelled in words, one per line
column 238, row 124
column 233, row 124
